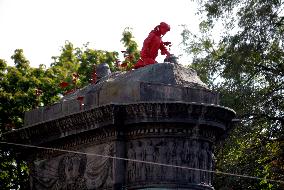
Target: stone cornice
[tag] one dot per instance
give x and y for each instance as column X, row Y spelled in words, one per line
column 123, row 114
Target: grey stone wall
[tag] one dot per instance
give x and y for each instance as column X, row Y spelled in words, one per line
column 175, row 134
column 153, row 144
column 157, row 82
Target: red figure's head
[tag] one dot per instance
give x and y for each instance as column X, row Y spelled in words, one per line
column 164, row 28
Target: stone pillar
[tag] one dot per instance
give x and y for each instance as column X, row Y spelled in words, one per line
column 155, row 124
column 177, row 134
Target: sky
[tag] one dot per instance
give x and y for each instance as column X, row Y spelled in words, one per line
column 41, row 27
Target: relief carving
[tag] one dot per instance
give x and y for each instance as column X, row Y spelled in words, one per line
column 210, row 156
column 187, row 157
column 139, row 173
column 194, row 161
column 177, row 152
column 71, row 171
column 171, row 152
column 131, row 165
column 149, row 154
column 74, row 171
column 69, row 174
column 99, row 173
column 179, row 160
column 203, row 158
column 162, row 156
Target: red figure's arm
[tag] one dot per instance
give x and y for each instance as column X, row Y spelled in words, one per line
column 163, row 49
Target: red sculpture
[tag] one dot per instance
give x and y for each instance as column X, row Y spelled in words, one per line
column 152, row 44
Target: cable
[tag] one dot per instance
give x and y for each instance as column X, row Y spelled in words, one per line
column 142, row 161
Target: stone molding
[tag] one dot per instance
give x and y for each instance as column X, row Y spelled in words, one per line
column 148, row 92
column 124, row 114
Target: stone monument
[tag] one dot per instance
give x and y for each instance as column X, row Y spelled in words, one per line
column 161, row 113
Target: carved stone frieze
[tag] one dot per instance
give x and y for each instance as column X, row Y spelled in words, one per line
column 192, row 113
column 74, row 171
column 168, row 145
column 162, row 155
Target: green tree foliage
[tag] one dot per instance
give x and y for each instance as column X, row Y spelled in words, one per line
column 247, row 67
column 18, row 87
column 23, row 88
column 89, row 58
column 82, row 61
column 131, row 54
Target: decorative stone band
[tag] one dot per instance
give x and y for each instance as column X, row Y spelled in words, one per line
column 95, row 96
column 121, row 115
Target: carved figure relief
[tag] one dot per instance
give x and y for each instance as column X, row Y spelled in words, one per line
column 170, row 160
column 99, row 169
column 194, row 161
column 186, row 161
column 162, row 155
column 210, row 155
column 131, row 154
column 71, row 170
column 178, row 152
column 149, row 153
column 203, row 157
column 179, row 160
column 140, row 173
column 69, row 174
column 74, row 171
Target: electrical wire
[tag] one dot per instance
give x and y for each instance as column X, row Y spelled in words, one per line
column 144, row 162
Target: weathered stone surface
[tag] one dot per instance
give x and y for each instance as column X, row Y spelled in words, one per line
column 157, row 82
column 159, row 114
column 217, row 117
column 75, row 171
column 102, row 70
